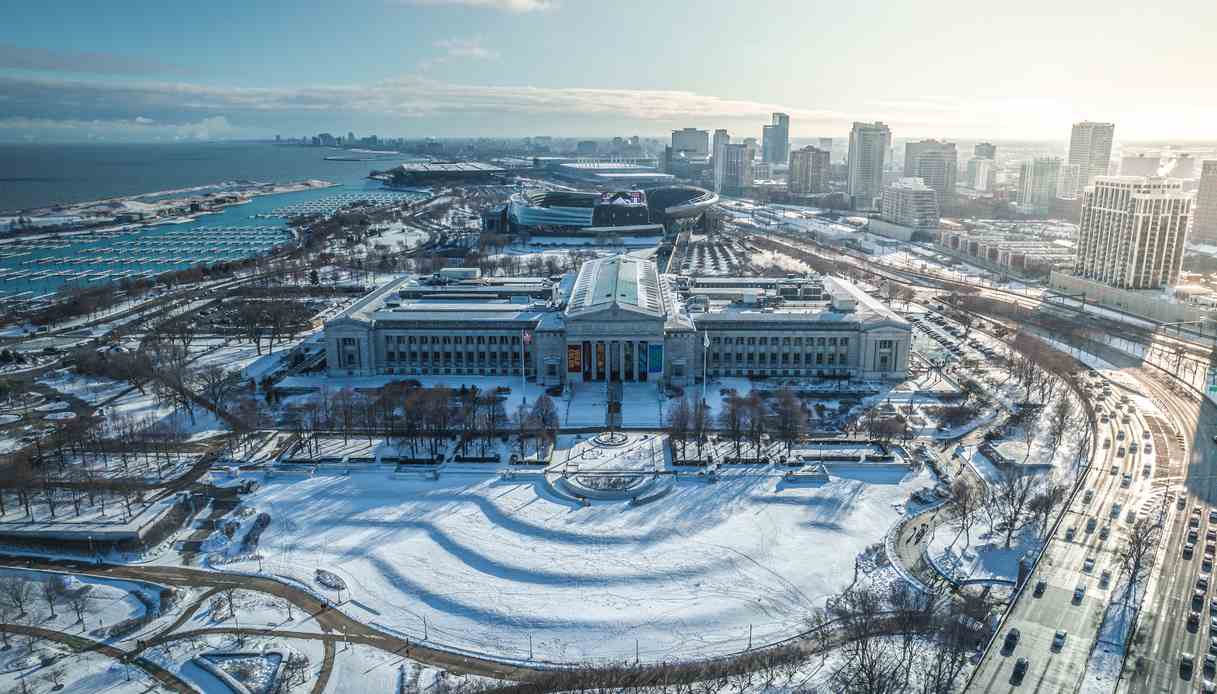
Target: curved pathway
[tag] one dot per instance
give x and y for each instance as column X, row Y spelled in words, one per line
column 81, row 644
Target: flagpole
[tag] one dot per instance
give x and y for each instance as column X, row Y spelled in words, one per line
column 523, row 368
column 705, row 345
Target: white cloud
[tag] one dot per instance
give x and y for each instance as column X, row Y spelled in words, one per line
column 139, row 128
column 502, row 5
column 459, row 49
column 466, row 48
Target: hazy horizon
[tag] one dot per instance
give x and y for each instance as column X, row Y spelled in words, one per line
column 142, row 71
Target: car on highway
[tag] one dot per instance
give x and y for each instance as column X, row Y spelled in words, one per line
column 1070, row 532
column 1115, row 469
column 1011, row 641
column 1040, row 586
column 1210, row 665
column 1120, row 435
column 1206, row 565
column 1088, row 564
column 1058, row 640
column 1211, row 535
column 1105, row 578
column 1126, row 481
column 1193, row 536
column 1189, row 549
column 1020, row 671
column 1079, row 593
column 1088, row 496
column 1091, row 524
column 1187, row 663
column 1104, row 532
column 1115, row 510
column 1208, row 550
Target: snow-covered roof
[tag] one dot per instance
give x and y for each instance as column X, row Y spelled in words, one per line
column 621, row 280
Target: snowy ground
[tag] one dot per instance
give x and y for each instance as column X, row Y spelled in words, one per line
column 489, row 562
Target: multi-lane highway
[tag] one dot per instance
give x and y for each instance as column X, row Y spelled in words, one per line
column 1083, row 554
column 1164, row 633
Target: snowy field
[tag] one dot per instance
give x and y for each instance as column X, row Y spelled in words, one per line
column 483, row 564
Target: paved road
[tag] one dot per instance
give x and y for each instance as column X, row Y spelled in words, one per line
column 1076, row 556
column 1163, row 631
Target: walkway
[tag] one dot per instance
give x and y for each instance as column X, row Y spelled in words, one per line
column 80, row 644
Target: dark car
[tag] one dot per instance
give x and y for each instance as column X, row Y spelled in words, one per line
column 1011, row 641
column 1040, row 585
column 1020, row 670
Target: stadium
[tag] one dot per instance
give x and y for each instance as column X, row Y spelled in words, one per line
column 667, row 209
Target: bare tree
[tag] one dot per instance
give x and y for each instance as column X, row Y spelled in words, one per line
column 49, row 592
column 965, row 503
column 17, row 591
column 1137, row 554
column 80, row 601
column 678, row 426
column 789, row 418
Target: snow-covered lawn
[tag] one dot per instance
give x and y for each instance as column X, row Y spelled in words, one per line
column 489, row 563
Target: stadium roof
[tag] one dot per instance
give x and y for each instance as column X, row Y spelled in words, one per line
column 448, row 167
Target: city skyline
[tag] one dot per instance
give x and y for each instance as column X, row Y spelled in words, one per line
column 447, row 68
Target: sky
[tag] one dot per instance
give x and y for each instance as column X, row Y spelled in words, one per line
column 159, row 71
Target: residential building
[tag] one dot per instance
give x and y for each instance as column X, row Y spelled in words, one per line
column 691, row 142
column 809, row 171
column 935, row 162
column 1037, row 182
column 868, row 145
column 775, row 139
column 981, row 174
column 1132, row 231
column 1204, row 224
column 721, row 140
column 737, row 168
column 911, row 203
column 984, row 150
column 1090, row 151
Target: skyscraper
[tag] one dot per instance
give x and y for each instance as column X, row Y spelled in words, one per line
column 737, row 168
column 808, row 171
column 721, row 140
column 910, row 202
column 1090, row 151
column 981, row 173
column 868, row 145
column 1204, row 224
column 984, row 150
column 1132, row 231
column 1037, row 182
column 691, row 141
column 935, row 162
column 775, row 139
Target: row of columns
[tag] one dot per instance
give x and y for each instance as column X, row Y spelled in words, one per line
column 615, row 360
